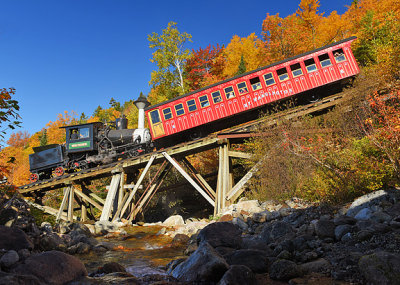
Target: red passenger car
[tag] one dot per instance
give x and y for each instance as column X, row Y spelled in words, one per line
column 225, row 103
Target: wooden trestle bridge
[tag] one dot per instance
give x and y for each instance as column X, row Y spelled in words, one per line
column 123, row 201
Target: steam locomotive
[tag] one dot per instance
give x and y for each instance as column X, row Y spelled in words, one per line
column 204, row 111
column 91, row 144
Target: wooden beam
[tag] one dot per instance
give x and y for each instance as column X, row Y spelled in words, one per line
column 188, row 178
column 138, row 183
column 105, row 214
column 63, row 203
column 239, row 154
column 71, row 204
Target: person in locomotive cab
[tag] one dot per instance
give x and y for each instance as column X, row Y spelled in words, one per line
column 74, row 135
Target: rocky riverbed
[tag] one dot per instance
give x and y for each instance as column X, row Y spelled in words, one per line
column 251, row 243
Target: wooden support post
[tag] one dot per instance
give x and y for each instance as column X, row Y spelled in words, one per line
column 71, row 204
column 88, row 199
column 217, row 208
column 128, row 201
column 105, row 214
column 83, row 211
column 188, row 178
column 63, row 203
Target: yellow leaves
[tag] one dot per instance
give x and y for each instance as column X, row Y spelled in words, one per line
column 251, row 48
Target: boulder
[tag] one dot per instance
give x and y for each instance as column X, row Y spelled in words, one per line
column 283, row 269
column 325, row 229
column 251, row 206
column 52, row 267
column 16, row 279
column 14, row 238
column 277, row 231
column 104, row 227
column 380, row 268
column 204, row 265
column 238, row 275
column 254, row 259
column 344, row 220
column 240, row 223
column 364, row 214
column 111, row 267
column 341, row 230
column 9, row 258
column 365, row 201
column 320, row 265
column 172, row 221
column 221, row 234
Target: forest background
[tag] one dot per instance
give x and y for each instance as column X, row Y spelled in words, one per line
column 361, row 154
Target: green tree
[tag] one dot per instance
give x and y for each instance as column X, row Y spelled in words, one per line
column 170, row 56
column 242, row 66
column 43, row 138
column 83, row 118
column 114, row 104
column 97, row 111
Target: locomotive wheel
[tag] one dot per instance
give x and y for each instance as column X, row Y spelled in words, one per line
column 59, row 171
column 34, row 177
column 133, row 153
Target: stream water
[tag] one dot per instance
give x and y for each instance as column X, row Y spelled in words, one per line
column 141, row 252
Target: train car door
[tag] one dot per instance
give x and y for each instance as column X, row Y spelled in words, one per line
column 219, row 105
column 206, row 111
column 328, row 70
column 156, row 123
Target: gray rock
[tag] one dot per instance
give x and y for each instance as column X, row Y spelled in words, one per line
column 238, row 275
column 251, row 206
column 366, row 201
column 103, row 227
column 9, row 258
column 16, row 279
column 283, row 269
column 176, row 220
column 341, row 230
column 364, row 214
column 221, row 234
column 265, row 216
column 14, row 238
column 277, row 231
column 344, row 220
column 320, row 266
column 52, row 267
column 256, row 260
column 325, row 229
column 240, row 223
column 380, row 268
column 204, row 265
column 380, row 217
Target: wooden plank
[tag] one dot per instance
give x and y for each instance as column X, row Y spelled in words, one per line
column 63, row 203
column 188, row 178
column 138, row 183
column 105, row 214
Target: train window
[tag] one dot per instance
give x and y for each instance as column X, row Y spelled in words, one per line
column 282, row 74
column 216, row 97
column 204, row 101
column 269, row 79
column 179, row 109
column 242, row 88
column 296, row 69
column 155, row 117
column 167, row 113
column 310, row 65
column 229, row 92
column 83, row 133
column 339, row 55
column 255, row 83
column 324, row 60
column 191, row 105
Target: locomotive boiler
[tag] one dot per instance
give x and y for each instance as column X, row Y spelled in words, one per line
column 91, row 144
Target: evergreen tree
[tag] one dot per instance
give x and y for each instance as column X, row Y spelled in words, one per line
column 83, row 119
column 242, row 66
column 43, row 138
column 97, row 111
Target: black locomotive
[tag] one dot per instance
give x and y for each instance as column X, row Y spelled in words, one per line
column 88, row 145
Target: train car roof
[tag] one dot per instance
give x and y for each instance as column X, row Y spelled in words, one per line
column 79, row 125
column 252, row 71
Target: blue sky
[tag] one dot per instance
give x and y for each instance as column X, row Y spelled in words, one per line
column 74, row 55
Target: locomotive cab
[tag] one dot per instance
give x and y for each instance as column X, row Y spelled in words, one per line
column 81, row 138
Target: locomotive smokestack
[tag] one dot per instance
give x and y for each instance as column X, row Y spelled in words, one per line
column 141, row 103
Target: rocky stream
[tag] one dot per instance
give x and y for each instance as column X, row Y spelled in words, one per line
column 251, row 243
